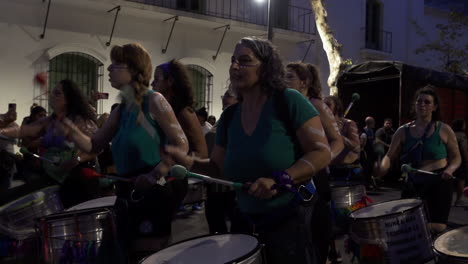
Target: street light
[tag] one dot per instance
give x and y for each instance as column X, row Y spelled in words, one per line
column 269, row 18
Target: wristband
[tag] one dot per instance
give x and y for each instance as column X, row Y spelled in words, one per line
column 283, row 180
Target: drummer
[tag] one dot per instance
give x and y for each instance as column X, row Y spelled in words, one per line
column 304, row 77
column 438, row 153
column 344, row 164
column 66, row 100
column 253, row 146
column 138, row 128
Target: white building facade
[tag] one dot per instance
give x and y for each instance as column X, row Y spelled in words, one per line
column 77, row 33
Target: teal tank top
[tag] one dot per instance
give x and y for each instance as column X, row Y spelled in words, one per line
column 133, row 148
column 433, row 148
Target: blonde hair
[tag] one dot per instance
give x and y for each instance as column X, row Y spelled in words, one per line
column 138, row 61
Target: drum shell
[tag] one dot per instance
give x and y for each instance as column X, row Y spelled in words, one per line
column 345, row 196
column 88, row 225
column 196, row 192
column 17, row 217
column 371, row 230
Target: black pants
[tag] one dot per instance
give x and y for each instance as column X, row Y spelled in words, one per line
column 218, row 207
column 289, row 240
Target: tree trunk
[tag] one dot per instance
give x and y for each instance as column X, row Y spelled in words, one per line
column 330, row 44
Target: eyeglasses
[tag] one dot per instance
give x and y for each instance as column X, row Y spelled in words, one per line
column 426, row 102
column 227, row 96
column 117, row 67
column 244, row 61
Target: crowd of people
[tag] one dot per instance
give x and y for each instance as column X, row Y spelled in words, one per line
column 277, row 135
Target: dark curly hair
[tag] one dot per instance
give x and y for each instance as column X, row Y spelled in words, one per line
column 77, row 104
column 429, row 90
column 181, row 87
column 272, row 70
column 308, row 73
column 339, row 110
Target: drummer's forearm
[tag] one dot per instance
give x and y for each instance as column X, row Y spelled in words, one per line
column 12, row 131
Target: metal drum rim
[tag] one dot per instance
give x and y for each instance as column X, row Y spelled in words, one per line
column 5, row 206
column 61, row 215
column 386, row 215
column 465, row 259
column 237, row 260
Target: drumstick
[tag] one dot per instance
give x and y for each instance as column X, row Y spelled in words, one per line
column 407, row 168
column 90, row 173
column 26, row 151
column 180, row 172
column 355, row 97
column 12, row 140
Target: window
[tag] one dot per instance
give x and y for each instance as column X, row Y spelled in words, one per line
column 190, row 5
column 81, row 68
column 202, row 83
column 374, row 14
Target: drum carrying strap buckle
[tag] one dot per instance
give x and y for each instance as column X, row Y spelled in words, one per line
column 307, row 192
column 132, row 194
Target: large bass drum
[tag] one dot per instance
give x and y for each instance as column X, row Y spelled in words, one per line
column 393, row 232
column 452, row 246
column 212, row 249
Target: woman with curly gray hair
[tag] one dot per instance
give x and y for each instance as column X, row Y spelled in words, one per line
column 273, row 141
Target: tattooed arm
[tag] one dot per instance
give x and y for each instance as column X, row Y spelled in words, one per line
column 330, row 126
column 162, row 112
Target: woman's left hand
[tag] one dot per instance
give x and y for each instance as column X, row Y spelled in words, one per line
column 263, row 188
column 147, row 180
column 446, row 175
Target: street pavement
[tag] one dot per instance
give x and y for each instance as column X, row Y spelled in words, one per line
column 191, row 224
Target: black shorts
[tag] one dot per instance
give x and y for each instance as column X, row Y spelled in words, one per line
column 437, row 196
column 150, row 213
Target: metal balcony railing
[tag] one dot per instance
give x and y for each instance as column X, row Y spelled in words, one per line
column 380, row 40
column 285, row 16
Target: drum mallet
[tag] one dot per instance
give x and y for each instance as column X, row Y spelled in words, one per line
column 408, row 169
column 26, row 151
column 9, row 139
column 90, row 173
column 355, row 97
column 180, row 172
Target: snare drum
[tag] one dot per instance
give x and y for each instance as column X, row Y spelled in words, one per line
column 212, row 249
column 195, row 192
column 452, row 246
column 17, row 217
column 346, row 198
column 392, row 232
column 85, row 233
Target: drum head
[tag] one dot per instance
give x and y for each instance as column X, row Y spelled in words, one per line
column 214, row 249
column 453, row 243
column 386, row 208
column 108, row 201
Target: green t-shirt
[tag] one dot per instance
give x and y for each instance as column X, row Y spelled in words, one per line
column 132, row 146
column 268, row 149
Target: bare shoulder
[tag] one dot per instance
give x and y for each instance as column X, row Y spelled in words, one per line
column 446, row 129
column 158, row 103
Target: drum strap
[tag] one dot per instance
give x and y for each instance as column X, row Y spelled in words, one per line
column 306, row 195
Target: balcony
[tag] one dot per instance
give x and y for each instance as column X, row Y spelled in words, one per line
column 286, row 16
column 379, row 40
